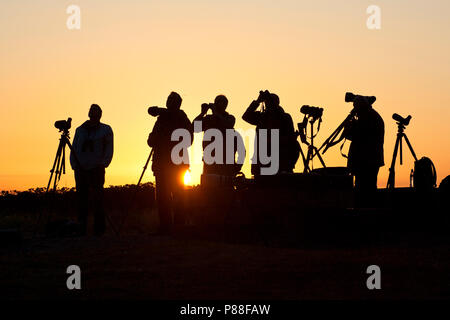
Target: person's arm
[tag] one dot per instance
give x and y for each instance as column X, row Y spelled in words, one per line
column 349, row 129
column 189, row 126
column 74, row 151
column 153, row 137
column 108, row 147
column 201, row 116
column 251, row 115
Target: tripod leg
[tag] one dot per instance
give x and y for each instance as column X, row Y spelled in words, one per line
column 305, row 164
column 63, row 167
column 308, row 160
column 410, row 147
column 58, row 167
column 54, row 165
column 321, row 159
column 401, row 150
column 145, row 167
column 391, row 179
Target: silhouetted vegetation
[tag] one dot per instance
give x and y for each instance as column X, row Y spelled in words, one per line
column 21, row 208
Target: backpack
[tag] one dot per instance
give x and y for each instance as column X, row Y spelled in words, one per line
column 424, row 176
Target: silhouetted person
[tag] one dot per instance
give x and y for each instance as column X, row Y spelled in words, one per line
column 168, row 175
column 366, row 155
column 93, row 146
column 273, row 117
column 221, row 120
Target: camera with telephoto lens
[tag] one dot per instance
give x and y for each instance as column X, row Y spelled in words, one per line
column 63, row 125
column 400, row 120
column 156, row 111
column 313, row 112
column 350, row 97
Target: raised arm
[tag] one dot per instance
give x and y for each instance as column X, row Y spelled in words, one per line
column 251, row 115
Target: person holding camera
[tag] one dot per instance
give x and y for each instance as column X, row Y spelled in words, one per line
column 221, row 120
column 366, row 133
column 272, row 116
column 168, row 175
column 92, row 152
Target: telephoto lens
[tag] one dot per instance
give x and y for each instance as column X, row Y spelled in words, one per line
column 156, row 111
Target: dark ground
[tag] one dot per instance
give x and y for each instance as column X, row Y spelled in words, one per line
column 288, row 255
column 157, row 267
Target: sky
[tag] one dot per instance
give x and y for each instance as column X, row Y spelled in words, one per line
column 129, row 55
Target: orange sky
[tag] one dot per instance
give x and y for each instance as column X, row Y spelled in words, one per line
column 129, row 55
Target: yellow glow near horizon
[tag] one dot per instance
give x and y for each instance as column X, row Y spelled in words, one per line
column 129, row 55
column 187, row 178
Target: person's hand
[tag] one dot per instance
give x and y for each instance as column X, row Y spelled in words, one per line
column 260, row 97
column 205, row 107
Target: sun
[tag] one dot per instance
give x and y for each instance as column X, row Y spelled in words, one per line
column 187, row 177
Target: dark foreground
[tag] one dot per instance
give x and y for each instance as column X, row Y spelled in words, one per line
column 186, row 267
column 261, row 244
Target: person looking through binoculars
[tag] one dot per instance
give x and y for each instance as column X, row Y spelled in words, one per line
column 91, row 153
column 272, row 116
column 222, row 121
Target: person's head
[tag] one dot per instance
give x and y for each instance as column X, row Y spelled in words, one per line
column 173, row 101
column 220, row 104
column 273, row 102
column 95, row 113
column 361, row 104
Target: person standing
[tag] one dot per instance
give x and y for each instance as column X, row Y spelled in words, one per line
column 366, row 155
column 273, row 117
column 168, row 173
column 222, row 121
column 92, row 152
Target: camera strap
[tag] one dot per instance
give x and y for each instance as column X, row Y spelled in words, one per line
column 340, row 149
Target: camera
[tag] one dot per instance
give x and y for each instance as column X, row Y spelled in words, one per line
column 400, row 120
column 350, row 97
column 313, row 112
column 63, row 125
column 156, row 111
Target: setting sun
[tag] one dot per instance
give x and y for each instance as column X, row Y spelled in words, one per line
column 187, row 178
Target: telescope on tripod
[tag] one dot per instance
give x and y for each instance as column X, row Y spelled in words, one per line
column 402, row 123
column 59, row 164
column 312, row 114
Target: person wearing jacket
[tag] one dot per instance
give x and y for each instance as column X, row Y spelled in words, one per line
column 222, row 121
column 92, row 152
column 273, row 117
column 168, row 174
column 365, row 156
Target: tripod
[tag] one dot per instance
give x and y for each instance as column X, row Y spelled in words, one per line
column 136, row 190
column 399, row 145
column 59, row 164
column 312, row 150
column 333, row 139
